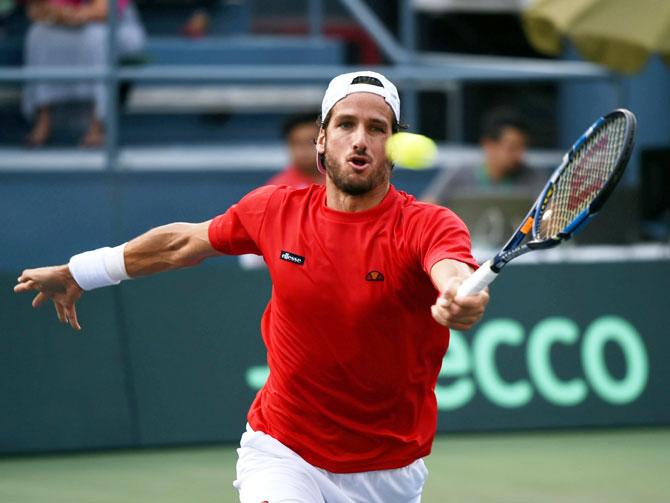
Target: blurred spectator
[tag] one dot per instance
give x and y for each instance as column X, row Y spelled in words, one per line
column 197, row 25
column 299, row 132
column 504, row 140
column 73, row 33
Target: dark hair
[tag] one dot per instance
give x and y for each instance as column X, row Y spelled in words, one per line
column 295, row 120
column 500, row 118
column 366, row 79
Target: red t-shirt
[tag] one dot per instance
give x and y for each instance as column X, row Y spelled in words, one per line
column 353, row 350
column 293, row 177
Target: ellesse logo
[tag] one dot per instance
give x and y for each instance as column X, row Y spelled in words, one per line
column 374, row 276
column 292, row 257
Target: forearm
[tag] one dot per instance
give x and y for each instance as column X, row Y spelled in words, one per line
column 166, row 248
column 444, row 270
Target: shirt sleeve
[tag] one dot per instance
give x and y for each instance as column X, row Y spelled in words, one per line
column 238, row 230
column 443, row 236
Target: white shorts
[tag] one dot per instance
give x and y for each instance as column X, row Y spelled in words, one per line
column 268, row 471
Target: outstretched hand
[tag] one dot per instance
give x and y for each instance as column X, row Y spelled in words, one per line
column 459, row 313
column 53, row 283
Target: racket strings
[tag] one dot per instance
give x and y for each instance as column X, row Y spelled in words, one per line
column 584, row 177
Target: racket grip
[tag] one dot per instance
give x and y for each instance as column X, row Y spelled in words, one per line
column 477, row 281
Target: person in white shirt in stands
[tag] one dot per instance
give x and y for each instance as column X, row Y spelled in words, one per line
column 73, row 33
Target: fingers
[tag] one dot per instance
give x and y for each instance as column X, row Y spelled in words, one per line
column 463, row 327
column 67, row 314
column 441, row 315
column 460, row 313
column 447, row 296
column 26, row 286
column 481, row 298
column 71, row 313
column 445, row 318
column 60, row 312
column 25, row 276
column 39, row 299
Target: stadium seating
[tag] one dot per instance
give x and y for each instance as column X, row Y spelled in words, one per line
column 195, row 114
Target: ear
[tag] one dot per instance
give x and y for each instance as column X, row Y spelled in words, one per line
column 321, row 141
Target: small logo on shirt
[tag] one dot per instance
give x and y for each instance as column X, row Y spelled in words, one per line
column 374, row 276
column 292, row 257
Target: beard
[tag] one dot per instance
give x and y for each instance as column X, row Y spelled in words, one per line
column 352, row 183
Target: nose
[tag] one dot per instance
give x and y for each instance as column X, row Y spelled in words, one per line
column 359, row 139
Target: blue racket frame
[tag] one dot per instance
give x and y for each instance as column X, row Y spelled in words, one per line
column 513, row 248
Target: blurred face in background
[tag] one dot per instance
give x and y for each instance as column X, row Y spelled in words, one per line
column 302, row 153
column 505, row 154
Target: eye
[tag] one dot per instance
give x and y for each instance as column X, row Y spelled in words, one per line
column 346, row 124
column 377, row 129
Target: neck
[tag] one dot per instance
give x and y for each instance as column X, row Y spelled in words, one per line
column 341, row 201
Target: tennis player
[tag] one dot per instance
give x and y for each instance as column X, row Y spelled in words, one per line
column 354, row 334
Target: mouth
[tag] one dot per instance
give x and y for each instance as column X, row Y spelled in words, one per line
column 358, row 162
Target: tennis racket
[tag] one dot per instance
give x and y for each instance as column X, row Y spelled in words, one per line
column 576, row 191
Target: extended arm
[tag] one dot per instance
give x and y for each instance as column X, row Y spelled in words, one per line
column 164, row 248
column 459, row 313
column 172, row 246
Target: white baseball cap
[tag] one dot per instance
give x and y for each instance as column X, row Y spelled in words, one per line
column 348, row 83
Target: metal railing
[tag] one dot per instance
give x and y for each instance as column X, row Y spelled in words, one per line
column 410, row 70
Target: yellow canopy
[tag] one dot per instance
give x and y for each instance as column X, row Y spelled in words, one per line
column 620, row 34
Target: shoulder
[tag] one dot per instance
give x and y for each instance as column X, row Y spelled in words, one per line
column 277, row 190
column 419, row 211
column 434, row 232
column 421, row 220
column 284, row 196
column 260, row 195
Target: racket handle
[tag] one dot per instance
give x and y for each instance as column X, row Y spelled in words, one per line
column 477, row 281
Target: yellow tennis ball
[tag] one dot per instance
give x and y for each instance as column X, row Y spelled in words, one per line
column 413, row 151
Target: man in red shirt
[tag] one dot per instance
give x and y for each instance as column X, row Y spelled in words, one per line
column 354, row 333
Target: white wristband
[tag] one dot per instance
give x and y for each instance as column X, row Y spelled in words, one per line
column 97, row 268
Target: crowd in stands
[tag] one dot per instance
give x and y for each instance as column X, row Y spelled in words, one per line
column 75, row 33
